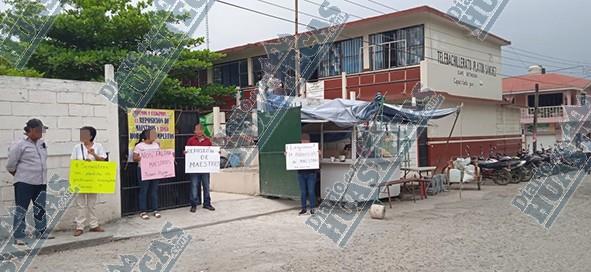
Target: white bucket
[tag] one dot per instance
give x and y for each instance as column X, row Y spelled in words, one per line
column 377, row 211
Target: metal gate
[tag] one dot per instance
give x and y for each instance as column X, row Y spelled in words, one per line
column 172, row 192
column 274, row 179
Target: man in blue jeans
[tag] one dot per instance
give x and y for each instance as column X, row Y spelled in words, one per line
column 200, row 179
column 27, row 162
column 307, row 183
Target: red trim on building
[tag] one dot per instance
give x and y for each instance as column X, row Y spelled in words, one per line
column 439, row 154
column 438, row 139
column 395, row 85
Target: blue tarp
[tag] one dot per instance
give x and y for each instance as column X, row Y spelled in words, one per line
column 346, row 113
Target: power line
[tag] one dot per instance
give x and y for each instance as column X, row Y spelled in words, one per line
column 365, row 7
column 571, row 61
column 290, row 9
column 333, row 9
column 383, row 5
column 257, row 12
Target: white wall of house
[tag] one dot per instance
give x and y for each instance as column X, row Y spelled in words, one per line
column 64, row 106
column 478, row 119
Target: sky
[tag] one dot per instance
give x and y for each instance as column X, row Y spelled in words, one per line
column 552, row 33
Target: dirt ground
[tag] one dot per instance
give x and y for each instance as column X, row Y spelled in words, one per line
column 481, row 232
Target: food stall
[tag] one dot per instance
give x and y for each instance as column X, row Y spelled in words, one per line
column 344, row 130
column 340, row 146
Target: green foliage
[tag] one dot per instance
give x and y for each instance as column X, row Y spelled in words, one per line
column 173, row 93
column 7, row 70
column 89, row 34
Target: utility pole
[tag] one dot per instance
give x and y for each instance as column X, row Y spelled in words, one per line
column 207, row 29
column 297, row 52
column 535, row 132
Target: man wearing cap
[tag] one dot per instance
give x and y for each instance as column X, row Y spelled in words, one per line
column 27, row 162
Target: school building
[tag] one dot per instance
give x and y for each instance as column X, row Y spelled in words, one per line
column 391, row 54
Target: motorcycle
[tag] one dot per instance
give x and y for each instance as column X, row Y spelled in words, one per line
column 500, row 168
column 562, row 158
column 532, row 162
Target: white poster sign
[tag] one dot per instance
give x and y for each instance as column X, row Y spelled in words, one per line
column 202, row 159
column 315, row 89
column 302, row 156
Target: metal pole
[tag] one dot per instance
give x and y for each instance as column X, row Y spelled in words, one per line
column 535, row 131
column 297, row 52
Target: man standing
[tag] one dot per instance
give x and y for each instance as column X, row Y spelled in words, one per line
column 27, row 162
column 199, row 179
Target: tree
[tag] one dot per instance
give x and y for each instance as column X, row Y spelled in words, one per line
column 89, row 34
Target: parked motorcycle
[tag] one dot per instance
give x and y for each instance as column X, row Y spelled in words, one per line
column 497, row 168
column 532, row 162
column 561, row 158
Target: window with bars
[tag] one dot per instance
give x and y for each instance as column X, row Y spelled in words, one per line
column 343, row 56
column 231, row 73
column 397, row 48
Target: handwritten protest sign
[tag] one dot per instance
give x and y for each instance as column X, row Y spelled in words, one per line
column 202, row 159
column 160, row 120
column 93, row 177
column 302, row 156
column 157, row 164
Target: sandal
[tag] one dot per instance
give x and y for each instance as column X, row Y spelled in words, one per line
column 144, row 216
column 157, row 214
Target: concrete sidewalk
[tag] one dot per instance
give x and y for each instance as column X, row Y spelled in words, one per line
column 229, row 207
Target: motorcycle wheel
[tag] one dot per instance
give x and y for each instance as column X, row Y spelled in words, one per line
column 502, row 177
column 516, row 175
column 528, row 174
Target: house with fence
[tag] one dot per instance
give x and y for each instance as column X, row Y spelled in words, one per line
column 557, row 93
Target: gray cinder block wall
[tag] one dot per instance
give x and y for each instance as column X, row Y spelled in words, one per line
column 64, row 106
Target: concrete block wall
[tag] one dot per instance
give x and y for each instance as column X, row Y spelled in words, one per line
column 64, row 106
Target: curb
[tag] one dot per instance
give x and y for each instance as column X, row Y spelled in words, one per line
column 72, row 245
column 76, row 244
column 120, row 238
column 47, row 249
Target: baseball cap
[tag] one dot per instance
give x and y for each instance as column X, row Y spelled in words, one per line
column 35, row 123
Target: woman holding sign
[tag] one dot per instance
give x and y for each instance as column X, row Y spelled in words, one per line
column 307, row 179
column 147, row 142
column 87, row 150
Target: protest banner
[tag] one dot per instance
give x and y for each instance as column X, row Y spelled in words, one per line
column 160, row 120
column 157, row 164
column 302, row 156
column 202, row 159
column 94, row 177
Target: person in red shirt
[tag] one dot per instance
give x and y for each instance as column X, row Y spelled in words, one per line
column 199, row 179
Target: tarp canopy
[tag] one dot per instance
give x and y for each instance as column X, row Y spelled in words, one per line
column 347, row 113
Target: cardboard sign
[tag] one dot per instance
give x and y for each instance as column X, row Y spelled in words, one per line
column 202, row 159
column 95, row 177
column 302, row 156
column 157, row 164
column 160, row 120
